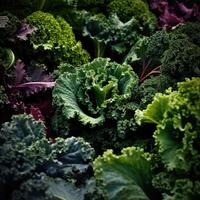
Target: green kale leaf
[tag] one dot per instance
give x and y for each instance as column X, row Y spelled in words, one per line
column 55, row 39
column 92, row 88
column 125, row 176
column 31, row 166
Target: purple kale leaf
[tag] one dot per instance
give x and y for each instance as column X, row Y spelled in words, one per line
column 31, row 81
column 25, row 30
column 170, row 14
column 168, row 19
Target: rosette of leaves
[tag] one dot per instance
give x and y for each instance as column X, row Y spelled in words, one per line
column 54, row 41
column 176, row 115
column 93, row 94
column 23, row 148
column 89, row 90
column 31, row 166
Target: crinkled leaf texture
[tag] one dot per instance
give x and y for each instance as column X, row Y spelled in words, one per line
column 31, row 81
column 65, row 95
column 89, row 90
column 177, row 115
column 3, row 97
column 73, row 160
column 127, row 176
column 111, row 32
column 25, row 152
column 61, row 190
column 23, row 148
column 45, row 187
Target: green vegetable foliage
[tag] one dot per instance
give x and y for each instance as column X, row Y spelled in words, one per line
column 54, row 38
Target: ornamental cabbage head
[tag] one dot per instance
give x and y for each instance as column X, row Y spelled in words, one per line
column 91, row 90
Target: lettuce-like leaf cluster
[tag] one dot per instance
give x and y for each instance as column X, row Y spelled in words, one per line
column 177, row 118
column 90, row 90
column 96, row 97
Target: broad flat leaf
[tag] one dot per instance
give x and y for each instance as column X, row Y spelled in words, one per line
column 127, row 176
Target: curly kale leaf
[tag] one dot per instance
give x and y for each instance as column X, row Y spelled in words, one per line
column 153, row 85
column 3, row 97
column 111, row 33
column 90, row 90
column 44, row 187
column 191, row 29
column 9, row 24
column 72, row 162
column 23, row 148
column 125, row 176
column 156, row 45
column 184, row 189
column 177, row 117
column 175, row 53
column 182, row 59
column 137, row 51
column 54, row 38
column 25, row 152
column 65, row 96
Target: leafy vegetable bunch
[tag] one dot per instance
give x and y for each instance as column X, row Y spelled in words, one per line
column 51, row 97
column 166, row 57
column 94, row 94
column 55, row 40
column 102, row 25
column 34, row 167
column 170, row 170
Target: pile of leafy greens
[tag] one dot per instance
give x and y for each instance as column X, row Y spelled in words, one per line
column 99, row 99
column 171, row 168
column 31, row 166
column 95, row 94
